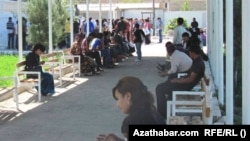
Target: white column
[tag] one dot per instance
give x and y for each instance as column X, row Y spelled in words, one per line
column 220, row 75
column 153, row 17
column 50, row 26
column 229, row 62
column 100, row 16
column 245, row 62
column 216, row 46
column 71, row 21
column 87, row 17
column 20, row 29
column 211, row 37
column 110, row 15
column 209, row 29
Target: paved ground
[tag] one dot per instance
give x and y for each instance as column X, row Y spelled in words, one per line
column 84, row 109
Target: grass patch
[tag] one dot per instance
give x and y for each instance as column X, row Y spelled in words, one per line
column 7, row 68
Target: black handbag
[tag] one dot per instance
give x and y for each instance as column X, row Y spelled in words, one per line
column 33, row 68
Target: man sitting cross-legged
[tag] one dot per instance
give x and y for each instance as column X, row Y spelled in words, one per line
column 178, row 61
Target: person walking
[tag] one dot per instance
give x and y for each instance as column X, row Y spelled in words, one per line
column 138, row 39
column 11, row 32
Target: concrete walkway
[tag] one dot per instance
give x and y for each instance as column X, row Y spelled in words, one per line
column 84, row 109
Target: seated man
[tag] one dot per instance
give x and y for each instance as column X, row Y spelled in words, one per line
column 106, row 52
column 116, row 51
column 195, row 73
column 95, row 44
column 179, row 61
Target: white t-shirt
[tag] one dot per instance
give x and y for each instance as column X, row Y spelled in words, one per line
column 178, row 31
column 180, row 62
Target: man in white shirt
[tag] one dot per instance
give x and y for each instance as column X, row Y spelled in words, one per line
column 180, row 61
column 178, row 31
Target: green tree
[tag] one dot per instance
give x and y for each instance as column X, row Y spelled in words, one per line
column 37, row 13
column 173, row 23
column 185, row 6
column 59, row 18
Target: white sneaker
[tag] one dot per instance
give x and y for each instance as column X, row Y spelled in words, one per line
column 50, row 94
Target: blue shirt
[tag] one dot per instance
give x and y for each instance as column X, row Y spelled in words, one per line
column 95, row 44
column 91, row 27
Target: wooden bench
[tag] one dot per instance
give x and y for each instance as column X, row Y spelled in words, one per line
column 196, row 87
column 15, row 91
column 192, row 102
column 22, row 80
column 184, row 108
column 55, row 64
column 74, row 60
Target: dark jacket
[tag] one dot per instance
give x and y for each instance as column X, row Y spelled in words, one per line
column 139, row 35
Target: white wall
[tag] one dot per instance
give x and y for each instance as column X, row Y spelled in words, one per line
column 7, row 9
column 138, row 13
column 4, row 16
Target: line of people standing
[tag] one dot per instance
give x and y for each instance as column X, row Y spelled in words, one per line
column 12, row 29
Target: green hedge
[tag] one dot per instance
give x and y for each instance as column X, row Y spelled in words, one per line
column 7, row 68
column 173, row 23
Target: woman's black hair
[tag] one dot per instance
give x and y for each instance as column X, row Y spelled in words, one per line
column 140, row 96
column 38, row 46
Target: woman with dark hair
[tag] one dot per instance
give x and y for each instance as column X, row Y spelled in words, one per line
column 135, row 100
column 33, row 64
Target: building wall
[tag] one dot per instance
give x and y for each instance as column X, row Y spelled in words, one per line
column 3, row 31
column 166, row 16
column 7, row 9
